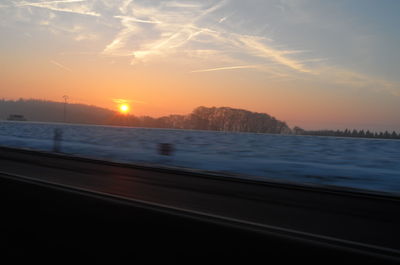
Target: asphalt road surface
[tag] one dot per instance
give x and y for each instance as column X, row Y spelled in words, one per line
column 352, row 220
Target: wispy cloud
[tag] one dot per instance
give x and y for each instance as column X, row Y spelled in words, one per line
column 61, row 66
column 120, row 100
column 69, row 6
column 175, row 4
column 355, row 80
column 225, row 68
column 126, row 101
column 124, row 6
column 134, row 19
column 118, row 46
column 151, row 30
column 182, row 26
column 222, row 19
column 256, row 47
column 195, row 33
column 173, row 28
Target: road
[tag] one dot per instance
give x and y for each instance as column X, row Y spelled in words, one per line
column 348, row 219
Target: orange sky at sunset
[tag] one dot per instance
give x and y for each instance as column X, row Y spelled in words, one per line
column 178, row 92
column 168, row 57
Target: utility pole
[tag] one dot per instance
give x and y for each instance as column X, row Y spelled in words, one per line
column 65, row 97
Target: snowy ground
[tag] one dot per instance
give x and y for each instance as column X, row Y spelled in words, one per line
column 371, row 164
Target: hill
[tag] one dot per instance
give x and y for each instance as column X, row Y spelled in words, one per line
column 225, row 119
column 50, row 111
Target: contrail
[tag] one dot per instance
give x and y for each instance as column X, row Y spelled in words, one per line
column 53, row 5
column 133, row 19
column 23, row 3
column 225, row 68
column 61, row 66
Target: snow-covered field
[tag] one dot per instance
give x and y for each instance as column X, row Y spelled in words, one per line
column 370, row 164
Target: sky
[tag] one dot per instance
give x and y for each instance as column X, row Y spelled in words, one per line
column 314, row 64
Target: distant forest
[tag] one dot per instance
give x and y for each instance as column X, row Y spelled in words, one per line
column 201, row 118
column 348, row 133
column 218, row 119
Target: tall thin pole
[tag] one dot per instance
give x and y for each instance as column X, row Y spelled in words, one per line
column 65, row 97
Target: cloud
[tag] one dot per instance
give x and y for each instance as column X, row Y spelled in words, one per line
column 125, row 101
column 225, row 68
column 256, row 47
column 175, row 4
column 124, row 6
column 63, row 67
column 133, row 19
column 85, row 36
column 356, row 80
column 171, row 26
column 120, row 100
column 182, row 26
column 194, row 33
column 69, row 6
column 152, row 30
column 222, row 19
column 118, row 46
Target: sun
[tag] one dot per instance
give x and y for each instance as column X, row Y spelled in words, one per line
column 123, row 108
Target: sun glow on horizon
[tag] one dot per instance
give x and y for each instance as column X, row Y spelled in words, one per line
column 123, row 108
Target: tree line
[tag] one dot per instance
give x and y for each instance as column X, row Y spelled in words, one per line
column 348, row 133
column 216, row 119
